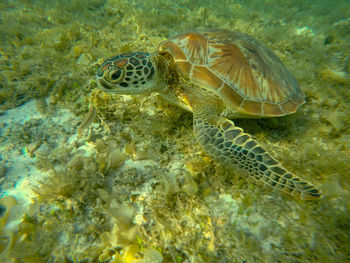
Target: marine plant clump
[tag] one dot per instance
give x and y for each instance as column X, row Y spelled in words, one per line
column 7, row 235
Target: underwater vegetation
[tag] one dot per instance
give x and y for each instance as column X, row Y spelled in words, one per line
column 134, row 186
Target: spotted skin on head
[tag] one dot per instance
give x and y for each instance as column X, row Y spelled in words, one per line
column 124, row 70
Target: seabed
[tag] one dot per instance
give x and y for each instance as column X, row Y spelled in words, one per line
column 134, row 186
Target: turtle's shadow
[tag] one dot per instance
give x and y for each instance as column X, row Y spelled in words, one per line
column 293, row 125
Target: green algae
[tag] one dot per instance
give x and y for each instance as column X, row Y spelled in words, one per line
column 162, row 194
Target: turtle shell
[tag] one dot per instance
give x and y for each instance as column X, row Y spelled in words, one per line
column 242, row 71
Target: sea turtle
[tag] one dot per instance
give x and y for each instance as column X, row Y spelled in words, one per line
column 217, row 74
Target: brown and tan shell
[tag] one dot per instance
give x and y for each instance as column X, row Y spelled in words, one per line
column 243, row 72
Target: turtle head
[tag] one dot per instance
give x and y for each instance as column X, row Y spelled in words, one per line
column 128, row 73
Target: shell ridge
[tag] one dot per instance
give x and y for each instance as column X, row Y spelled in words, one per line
column 257, row 81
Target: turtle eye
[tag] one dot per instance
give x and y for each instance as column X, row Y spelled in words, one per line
column 115, row 75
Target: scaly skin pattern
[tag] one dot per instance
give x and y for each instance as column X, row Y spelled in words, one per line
column 233, row 148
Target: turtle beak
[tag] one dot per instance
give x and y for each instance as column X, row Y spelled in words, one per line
column 108, row 88
column 102, row 84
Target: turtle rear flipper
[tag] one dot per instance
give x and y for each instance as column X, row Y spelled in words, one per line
column 232, row 147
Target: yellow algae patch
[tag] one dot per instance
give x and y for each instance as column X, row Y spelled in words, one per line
column 331, row 75
column 6, row 236
column 336, row 118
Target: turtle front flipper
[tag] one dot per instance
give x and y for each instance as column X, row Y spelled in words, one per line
column 232, row 147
